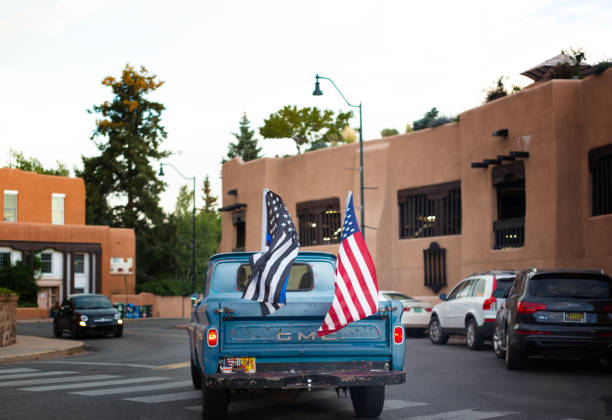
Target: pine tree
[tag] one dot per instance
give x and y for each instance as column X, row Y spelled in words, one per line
column 210, row 201
column 246, row 145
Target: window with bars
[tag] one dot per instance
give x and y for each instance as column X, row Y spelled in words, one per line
column 319, row 222
column 5, row 259
column 434, row 210
column 600, row 166
column 57, row 210
column 10, row 206
column 46, row 258
column 509, row 182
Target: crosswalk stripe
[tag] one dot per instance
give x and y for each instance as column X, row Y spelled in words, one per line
column 20, row 370
column 25, row 382
column 94, row 384
column 399, row 404
column 470, row 413
column 151, row 399
column 128, row 389
column 37, row 374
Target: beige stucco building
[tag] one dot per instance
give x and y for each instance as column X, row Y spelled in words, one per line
column 544, row 197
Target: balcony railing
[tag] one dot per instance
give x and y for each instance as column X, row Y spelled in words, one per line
column 509, row 233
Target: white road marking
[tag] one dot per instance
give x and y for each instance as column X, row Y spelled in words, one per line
column 399, row 404
column 94, row 384
column 29, row 375
column 20, row 370
column 197, row 408
column 56, row 380
column 106, row 364
column 128, row 389
column 151, row 399
column 471, row 414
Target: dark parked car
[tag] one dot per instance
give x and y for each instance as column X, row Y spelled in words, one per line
column 82, row 314
column 555, row 313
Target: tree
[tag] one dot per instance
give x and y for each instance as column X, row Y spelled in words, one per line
column 210, row 201
column 246, row 145
column 34, row 165
column 21, row 278
column 387, row 132
column 431, row 119
column 129, row 136
column 306, row 126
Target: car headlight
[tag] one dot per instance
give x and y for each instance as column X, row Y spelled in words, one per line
column 120, row 321
column 117, row 316
column 84, row 318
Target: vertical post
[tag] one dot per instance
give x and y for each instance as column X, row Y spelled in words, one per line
column 361, row 172
column 193, row 239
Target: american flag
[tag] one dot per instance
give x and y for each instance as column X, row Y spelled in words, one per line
column 356, row 295
column 271, row 267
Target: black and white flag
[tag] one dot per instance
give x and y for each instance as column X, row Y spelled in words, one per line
column 271, row 267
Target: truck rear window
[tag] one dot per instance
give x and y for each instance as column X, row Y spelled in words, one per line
column 588, row 287
column 300, row 277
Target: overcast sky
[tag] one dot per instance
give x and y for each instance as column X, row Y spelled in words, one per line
column 220, row 59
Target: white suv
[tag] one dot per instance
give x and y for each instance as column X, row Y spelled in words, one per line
column 469, row 309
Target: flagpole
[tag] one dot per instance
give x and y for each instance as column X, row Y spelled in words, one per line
column 264, row 219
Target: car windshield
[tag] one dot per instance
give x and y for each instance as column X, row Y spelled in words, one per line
column 92, row 302
column 588, row 287
column 397, row 296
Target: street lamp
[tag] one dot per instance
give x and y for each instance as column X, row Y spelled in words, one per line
column 317, row 92
column 193, row 219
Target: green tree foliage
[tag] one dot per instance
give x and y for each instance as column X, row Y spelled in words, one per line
column 431, row 119
column 498, row 91
column 388, row 132
column 21, row 278
column 246, row 143
column 34, row 165
column 572, row 69
column 210, row 201
column 128, row 135
column 306, row 126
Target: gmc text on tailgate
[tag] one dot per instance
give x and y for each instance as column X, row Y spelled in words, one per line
column 235, row 349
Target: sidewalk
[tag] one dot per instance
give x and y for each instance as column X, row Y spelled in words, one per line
column 29, row 347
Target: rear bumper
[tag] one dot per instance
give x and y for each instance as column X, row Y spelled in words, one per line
column 547, row 345
column 303, row 380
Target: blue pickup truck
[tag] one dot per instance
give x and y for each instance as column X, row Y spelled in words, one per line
column 235, row 349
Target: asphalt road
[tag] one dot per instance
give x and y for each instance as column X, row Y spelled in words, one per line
column 145, row 375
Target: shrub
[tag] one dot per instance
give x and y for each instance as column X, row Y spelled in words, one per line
column 431, row 119
column 601, row 67
column 5, row 291
column 498, row 91
column 387, row 132
column 165, row 287
column 20, row 277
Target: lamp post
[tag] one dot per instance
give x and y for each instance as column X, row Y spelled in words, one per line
column 318, row 92
column 193, row 219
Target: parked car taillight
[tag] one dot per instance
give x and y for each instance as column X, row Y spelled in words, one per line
column 607, row 308
column 212, row 337
column 406, row 309
column 398, row 335
column 491, row 303
column 530, row 307
column 428, row 309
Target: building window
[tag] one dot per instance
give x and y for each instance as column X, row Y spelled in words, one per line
column 57, row 211
column 600, row 166
column 434, row 210
column 5, row 259
column 509, row 183
column 79, row 264
column 10, row 206
column 46, row 258
column 238, row 219
column 319, row 222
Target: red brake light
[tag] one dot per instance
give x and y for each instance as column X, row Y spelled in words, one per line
column 530, row 307
column 607, row 308
column 428, row 309
column 406, row 309
column 398, row 335
column 531, row 332
column 491, row 303
column 212, row 337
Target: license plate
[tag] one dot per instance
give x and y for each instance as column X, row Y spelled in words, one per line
column 417, row 309
column 574, row 317
column 102, row 320
column 239, row 364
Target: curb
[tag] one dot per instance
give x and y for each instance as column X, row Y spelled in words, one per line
column 47, row 354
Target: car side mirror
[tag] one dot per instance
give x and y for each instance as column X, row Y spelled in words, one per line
column 443, row 297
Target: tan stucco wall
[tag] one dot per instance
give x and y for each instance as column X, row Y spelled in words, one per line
column 557, row 122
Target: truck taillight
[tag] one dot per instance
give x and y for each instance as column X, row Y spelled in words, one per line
column 212, row 337
column 398, row 335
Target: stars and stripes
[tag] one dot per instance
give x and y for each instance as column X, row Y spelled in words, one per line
column 271, row 267
column 356, row 294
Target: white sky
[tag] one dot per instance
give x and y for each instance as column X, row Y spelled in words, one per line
column 220, row 59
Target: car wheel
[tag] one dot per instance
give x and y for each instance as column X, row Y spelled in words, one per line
column 368, row 401
column 497, row 345
column 515, row 359
column 214, row 403
column 474, row 340
column 435, row 331
column 56, row 330
column 196, row 376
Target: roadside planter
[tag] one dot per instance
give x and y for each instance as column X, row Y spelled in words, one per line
column 8, row 316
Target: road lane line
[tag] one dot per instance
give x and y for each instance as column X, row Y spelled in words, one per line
column 151, row 399
column 56, row 380
column 94, row 384
column 156, row 334
column 399, row 404
column 128, row 389
column 172, row 366
column 20, row 370
column 470, row 413
column 107, row 364
column 36, row 374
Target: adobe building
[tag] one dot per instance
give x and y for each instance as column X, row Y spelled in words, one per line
column 44, row 215
column 521, row 181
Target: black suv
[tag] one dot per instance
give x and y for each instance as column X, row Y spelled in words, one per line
column 555, row 313
column 87, row 313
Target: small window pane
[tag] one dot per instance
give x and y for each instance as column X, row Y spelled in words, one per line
column 79, row 264
column 46, row 258
column 300, row 277
column 5, row 259
column 57, row 215
column 10, row 207
column 479, row 288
